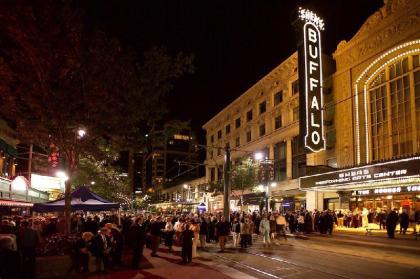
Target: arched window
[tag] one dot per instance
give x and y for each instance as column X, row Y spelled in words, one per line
column 394, row 105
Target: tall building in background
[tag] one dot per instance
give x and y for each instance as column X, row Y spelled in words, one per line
column 169, row 158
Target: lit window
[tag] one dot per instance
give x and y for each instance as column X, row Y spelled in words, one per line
column 295, row 114
column 219, row 134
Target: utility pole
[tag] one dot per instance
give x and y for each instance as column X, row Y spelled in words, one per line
column 31, row 146
column 226, row 188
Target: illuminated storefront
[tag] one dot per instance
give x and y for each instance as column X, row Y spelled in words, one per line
column 380, row 186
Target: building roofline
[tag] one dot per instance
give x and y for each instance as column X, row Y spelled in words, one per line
column 251, row 89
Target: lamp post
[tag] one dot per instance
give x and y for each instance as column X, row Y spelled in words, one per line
column 260, row 157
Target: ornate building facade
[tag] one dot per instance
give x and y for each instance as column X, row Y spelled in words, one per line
column 371, row 115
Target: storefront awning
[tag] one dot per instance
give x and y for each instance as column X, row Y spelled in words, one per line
column 15, row 203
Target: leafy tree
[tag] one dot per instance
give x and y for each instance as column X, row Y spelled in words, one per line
column 59, row 74
column 244, row 176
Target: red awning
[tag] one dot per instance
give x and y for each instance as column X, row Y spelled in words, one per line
column 15, row 203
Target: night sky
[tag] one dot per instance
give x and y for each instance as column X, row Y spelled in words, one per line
column 235, row 43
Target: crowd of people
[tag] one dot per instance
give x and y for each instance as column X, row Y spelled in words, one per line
column 102, row 239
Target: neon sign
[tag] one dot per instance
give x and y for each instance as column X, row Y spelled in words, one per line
column 313, row 130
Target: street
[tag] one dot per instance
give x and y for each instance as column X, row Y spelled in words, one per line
column 337, row 256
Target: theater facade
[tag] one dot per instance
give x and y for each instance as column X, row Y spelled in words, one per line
column 376, row 89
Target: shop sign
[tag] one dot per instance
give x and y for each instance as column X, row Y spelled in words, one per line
column 310, row 81
column 381, row 172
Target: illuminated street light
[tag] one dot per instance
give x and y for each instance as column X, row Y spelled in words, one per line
column 92, row 183
column 259, row 156
column 273, row 184
column 185, row 186
column 62, row 175
column 81, row 133
column 261, row 188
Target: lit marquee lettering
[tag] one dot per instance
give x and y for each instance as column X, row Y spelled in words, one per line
column 314, row 132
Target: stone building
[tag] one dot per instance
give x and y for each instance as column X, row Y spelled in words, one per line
column 371, row 115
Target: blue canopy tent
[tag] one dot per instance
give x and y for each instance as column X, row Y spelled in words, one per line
column 81, row 199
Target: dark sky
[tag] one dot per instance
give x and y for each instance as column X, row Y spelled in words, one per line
column 235, row 43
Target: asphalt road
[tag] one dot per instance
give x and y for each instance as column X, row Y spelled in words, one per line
column 328, row 257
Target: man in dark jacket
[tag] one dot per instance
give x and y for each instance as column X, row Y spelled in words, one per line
column 137, row 238
column 404, row 222
column 27, row 240
column 186, row 239
column 91, row 226
column 222, row 231
column 11, row 262
column 391, row 223
column 155, row 232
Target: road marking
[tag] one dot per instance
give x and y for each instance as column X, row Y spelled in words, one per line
column 250, row 267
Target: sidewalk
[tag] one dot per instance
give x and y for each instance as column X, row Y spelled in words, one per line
column 168, row 265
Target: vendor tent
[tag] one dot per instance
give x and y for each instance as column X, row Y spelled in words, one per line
column 81, row 199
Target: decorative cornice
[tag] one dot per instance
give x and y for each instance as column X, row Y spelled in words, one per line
column 281, row 73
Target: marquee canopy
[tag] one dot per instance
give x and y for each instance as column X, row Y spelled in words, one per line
column 81, row 199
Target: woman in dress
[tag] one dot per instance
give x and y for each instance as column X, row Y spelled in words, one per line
column 169, row 234
column 196, row 230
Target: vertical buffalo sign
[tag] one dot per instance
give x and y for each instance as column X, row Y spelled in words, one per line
column 309, row 26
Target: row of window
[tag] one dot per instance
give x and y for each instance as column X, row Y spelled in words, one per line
column 262, row 107
column 278, row 123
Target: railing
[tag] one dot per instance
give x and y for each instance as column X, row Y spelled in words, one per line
column 31, row 195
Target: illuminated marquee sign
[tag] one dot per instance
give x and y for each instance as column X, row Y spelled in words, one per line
column 387, row 173
column 386, row 191
column 310, row 81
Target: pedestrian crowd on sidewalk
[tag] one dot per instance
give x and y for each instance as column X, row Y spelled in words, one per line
column 102, row 239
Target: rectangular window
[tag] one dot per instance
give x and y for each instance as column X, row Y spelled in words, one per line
column 295, row 87
column 262, row 129
column 212, row 138
column 219, row 134
column 263, row 107
column 277, row 122
column 280, row 166
column 249, row 116
column 227, row 129
column 278, row 98
column 237, row 142
column 218, row 152
column 238, row 123
column 295, row 114
column 248, row 136
column 298, row 158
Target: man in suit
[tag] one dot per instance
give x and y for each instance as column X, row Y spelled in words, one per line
column 100, row 249
column 137, row 238
column 27, row 240
column 187, row 242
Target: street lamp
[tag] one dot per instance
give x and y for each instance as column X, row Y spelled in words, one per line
column 62, row 175
column 92, row 183
column 259, row 156
column 81, row 133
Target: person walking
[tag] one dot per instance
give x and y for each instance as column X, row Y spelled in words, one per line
column 236, row 232
column 203, row 233
column 272, row 222
column 244, row 229
column 222, row 232
column 404, row 221
column 391, row 223
column 196, row 230
column 265, row 230
column 281, row 225
column 187, row 242
column 137, row 239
